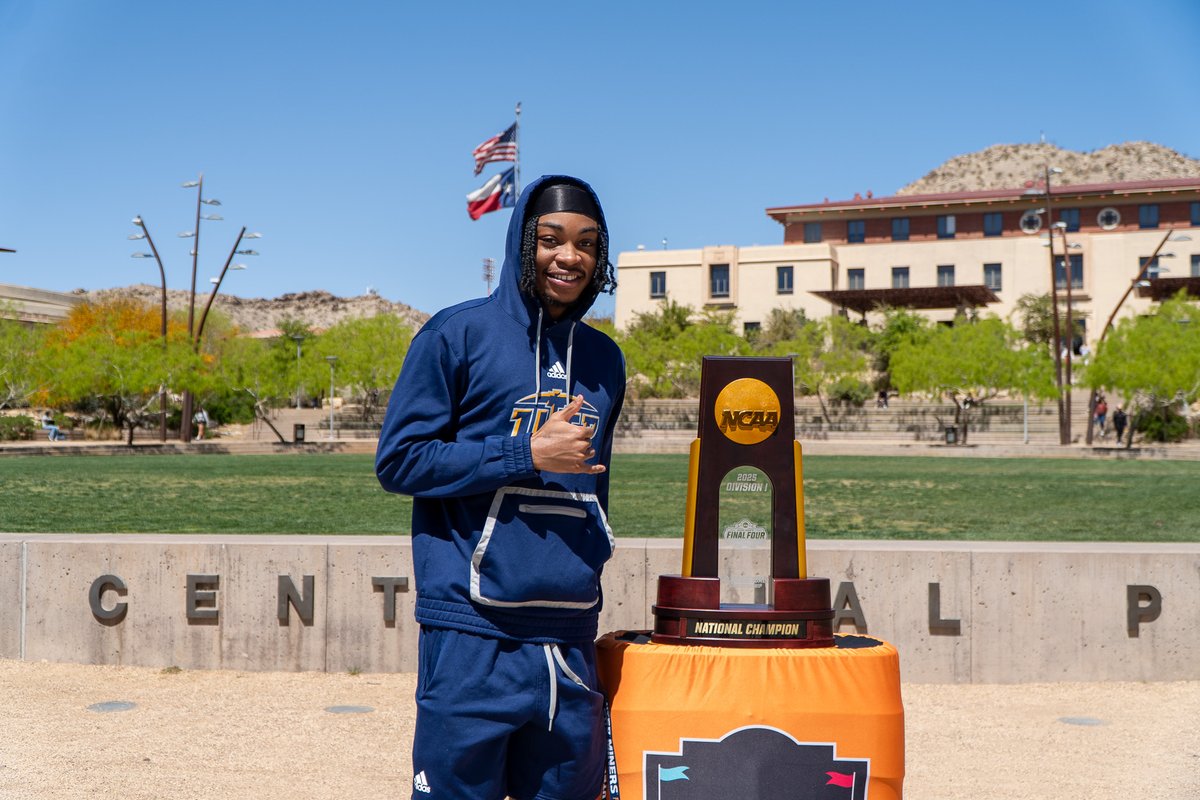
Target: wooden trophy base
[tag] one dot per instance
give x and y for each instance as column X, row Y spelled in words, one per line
column 689, row 611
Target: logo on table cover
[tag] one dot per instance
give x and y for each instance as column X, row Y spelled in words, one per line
column 754, row 762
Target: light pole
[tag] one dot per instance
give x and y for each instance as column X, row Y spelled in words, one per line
column 162, row 392
column 193, row 334
column 216, row 282
column 1143, row 268
column 297, row 338
column 1064, row 411
column 332, row 361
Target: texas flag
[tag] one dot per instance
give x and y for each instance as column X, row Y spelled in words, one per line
column 499, row 192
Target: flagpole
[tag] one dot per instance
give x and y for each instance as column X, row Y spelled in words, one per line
column 517, row 142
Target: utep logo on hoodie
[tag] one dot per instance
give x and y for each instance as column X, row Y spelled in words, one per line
column 758, row 762
column 541, row 407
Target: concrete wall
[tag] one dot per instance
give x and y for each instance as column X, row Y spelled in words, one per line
column 995, row 612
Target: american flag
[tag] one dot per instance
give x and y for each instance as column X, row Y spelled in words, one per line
column 501, row 147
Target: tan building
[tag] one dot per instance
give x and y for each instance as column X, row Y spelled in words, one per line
column 35, row 305
column 939, row 253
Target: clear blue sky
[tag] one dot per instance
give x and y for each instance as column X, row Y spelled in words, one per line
column 343, row 131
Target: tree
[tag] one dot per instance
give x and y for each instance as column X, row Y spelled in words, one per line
column 19, row 344
column 252, row 367
column 284, row 353
column 663, row 349
column 830, row 360
column 1037, row 319
column 1154, row 363
column 970, row 363
column 782, row 324
column 899, row 326
column 111, row 355
column 370, row 352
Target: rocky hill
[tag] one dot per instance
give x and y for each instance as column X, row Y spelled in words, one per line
column 1008, row 166
column 317, row 308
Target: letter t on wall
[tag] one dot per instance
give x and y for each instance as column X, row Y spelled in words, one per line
column 389, row 587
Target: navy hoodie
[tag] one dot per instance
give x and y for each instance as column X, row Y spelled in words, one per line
column 500, row 549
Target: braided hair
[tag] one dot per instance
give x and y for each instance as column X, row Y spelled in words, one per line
column 604, row 277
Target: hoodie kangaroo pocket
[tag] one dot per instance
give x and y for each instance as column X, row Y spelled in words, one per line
column 541, row 548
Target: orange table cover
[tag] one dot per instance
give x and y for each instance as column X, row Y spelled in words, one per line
column 709, row 722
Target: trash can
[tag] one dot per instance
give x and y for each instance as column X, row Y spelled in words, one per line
column 951, row 434
column 298, row 433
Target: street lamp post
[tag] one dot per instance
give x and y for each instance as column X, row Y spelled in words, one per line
column 297, row 338
column 1064, row 409
column 162, row 392
column 1143, row 268
column 198, row 184
column 332, row 361
column 221, row 278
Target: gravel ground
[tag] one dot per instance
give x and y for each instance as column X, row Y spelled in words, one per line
column 201, row 735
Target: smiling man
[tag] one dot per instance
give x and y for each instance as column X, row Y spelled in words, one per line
column 500, row 427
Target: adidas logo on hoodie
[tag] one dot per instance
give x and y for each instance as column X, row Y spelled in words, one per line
column 557, row 371
column 420, row 783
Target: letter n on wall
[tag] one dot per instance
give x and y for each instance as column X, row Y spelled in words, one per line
column 289, row 596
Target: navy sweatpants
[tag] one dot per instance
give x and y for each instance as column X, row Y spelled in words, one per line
column 499, row 718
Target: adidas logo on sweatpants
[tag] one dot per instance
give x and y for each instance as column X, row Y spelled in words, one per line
column 419, row 782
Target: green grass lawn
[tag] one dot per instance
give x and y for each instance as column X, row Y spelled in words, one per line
column 845, row 497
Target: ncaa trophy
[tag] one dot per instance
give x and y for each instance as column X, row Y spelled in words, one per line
column 746, row 429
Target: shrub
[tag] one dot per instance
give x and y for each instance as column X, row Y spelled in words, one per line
column 1164, row 424
column 17, row 428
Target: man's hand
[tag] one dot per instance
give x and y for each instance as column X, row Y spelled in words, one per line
column 560, row 446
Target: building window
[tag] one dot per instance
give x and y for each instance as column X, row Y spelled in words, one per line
column 1108, row 218
column 783, row 280
column 900, row 229
column 945, row 226
column 718, row 280
column 812, row 232
column 856, row 231
column 1149, row 268
column 945, row 274
column 750, row 330
column 1196, row 212
column 993, row 276
column 855, row 279
column 1196, row 265
column 1071, row 217
column 1060, row 273
column 993, row 224
column 658, row 285
column 899, row 277
column 1148, row 215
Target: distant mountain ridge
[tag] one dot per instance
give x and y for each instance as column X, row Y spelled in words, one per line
column 1009, row 166
column 319, row 309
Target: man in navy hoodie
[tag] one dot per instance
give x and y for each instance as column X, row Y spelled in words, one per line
column 501, row 428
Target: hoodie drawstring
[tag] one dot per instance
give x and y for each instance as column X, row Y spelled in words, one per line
column 537, row 373
column 555, row 656
column 537, row 368
column 570, row 350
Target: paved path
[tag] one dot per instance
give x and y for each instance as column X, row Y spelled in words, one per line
column 246, row 735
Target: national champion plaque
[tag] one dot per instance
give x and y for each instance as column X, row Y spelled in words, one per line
column 745, row 448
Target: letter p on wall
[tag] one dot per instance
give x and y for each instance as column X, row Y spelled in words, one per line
column 1142, row 604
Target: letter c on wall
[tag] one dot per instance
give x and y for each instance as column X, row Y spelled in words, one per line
column 107, row 616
